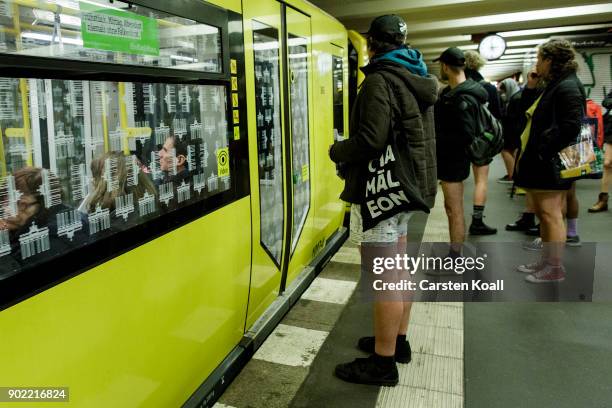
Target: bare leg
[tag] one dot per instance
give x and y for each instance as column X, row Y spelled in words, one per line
column 529, row 206
column 453, row 204
column 572, row 206
column 549, row 208
column 481, row 179
column 387, row 316
column 403, row 328
column 387, row 313
column 508, row 157
column 607, row 173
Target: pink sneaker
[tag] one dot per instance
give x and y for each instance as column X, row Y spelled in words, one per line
column 548, row 273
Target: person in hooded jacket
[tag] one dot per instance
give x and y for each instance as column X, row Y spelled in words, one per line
column 456, row 125
column 396, row 77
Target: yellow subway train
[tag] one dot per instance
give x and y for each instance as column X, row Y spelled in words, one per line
column 166, row 191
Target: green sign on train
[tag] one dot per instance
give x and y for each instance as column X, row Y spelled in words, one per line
column 117, row 30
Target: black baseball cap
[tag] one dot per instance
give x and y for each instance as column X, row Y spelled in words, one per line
column 389, row 28
column 452, row 56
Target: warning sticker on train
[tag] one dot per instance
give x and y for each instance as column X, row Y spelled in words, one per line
column 223, row 162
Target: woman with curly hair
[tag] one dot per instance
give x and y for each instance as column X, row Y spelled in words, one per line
column 556, row 113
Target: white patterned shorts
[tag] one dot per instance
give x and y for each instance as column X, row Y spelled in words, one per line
column 386, row 231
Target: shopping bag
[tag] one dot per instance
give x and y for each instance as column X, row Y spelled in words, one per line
column 584, row 158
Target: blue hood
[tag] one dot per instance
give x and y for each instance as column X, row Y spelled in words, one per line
column 407, row 57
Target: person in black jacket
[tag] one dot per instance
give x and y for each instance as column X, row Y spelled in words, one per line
column 397, row 90
column 456, row 123
column 555, row 124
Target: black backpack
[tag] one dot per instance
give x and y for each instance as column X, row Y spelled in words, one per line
column 489, row 138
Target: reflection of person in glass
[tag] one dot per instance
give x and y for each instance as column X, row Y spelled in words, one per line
column 173, row 159
column 31, row 204
column 30, row 210
column 100, row 193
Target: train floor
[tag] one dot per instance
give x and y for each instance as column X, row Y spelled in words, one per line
column 505, row 354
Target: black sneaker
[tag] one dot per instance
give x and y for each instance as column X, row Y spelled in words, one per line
column 573, row 241
column 478, row 227
column 505, row 180
column 533, row 231
column 403, row 353
column 366, row 371
column 522, row 224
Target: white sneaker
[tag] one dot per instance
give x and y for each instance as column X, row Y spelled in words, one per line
column 547, row 274
column 535, row 245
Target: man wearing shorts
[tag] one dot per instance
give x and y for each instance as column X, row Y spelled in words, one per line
column 456, row 123
column 396, row 84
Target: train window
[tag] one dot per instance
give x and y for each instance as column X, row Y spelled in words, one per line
column 298, row 76
column 338, row 95
column 108, row 31
column 269, row 137
column 83, row 160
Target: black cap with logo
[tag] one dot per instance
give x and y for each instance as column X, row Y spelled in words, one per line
column 389, row 28
column 452, row 56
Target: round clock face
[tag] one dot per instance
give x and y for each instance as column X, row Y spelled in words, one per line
column 492, row 47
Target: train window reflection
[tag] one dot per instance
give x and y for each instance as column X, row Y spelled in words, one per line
column 269, row 140
column 300, row 132
column 81, row 160
column 108, row 31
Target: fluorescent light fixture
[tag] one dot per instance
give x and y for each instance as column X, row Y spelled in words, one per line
column 183, row 58
column 65, row 19
column 188, row 31
column 440, row 50
column 498, row 63
column 553, row 30
column 451, row 39
column 521, row 43
column 94, row 3
column 268, row 45
column 296, row 41
column 519, row 50
column 510, row 18
column 48, row 38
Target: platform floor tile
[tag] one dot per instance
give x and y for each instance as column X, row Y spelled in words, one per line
column 347, row 254
column 330, row 291
column 291, row 345
column 402, row 396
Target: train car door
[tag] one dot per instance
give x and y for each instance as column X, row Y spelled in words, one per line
column 298, row 146
column 264, row 66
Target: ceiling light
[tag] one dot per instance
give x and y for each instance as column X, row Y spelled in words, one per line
column 519, row 50
column 553, row 30
column 65, row 19
column 509, row 18
column 520, row 43
column 49, row 38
